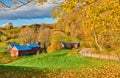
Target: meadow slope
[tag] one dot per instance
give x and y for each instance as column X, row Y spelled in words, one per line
column 60, row 64
column 60, row 59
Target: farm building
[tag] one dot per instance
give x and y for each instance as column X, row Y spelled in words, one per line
column 19, row 50
column 34, row 46
column 75, row 45
column 70, row 45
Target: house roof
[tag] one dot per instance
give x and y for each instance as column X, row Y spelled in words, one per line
column 14, row 44
column 33, row 45
column 23, row 47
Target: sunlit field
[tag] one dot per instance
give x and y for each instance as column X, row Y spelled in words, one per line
column 58, row 63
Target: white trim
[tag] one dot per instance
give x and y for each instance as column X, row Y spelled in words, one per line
column 15, row 48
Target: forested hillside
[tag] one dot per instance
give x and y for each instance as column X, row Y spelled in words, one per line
column 96, row 22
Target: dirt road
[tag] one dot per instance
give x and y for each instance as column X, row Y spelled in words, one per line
column 86, row 52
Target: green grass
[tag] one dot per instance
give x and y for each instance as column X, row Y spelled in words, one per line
column 58, row 64
column 5, row 58
column 60, row 60
column 21, row 72
column 13, row 40
column 4, row 44
column 2, row 49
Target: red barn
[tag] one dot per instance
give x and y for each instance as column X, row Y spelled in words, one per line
column 75, row 45
column 21, row 50
column 70, row 45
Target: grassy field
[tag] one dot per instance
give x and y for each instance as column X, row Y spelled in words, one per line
column 5, row 58
column 4, row 44
column 60, row 59
column 5, row 54
column 58, row 65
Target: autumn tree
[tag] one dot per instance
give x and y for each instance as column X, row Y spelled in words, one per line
column 55, row 45
column 97, row 19
column 3, row 38
column 27, row 35
column 44, row 36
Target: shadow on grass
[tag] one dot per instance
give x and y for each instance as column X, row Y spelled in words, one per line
column 22, row 72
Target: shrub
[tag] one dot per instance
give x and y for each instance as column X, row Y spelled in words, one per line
column 4, row 38
column 55, row 45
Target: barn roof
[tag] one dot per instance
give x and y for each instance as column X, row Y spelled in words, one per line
column 71, row 42
column 23, row 47
column 14, row 44
column 37, row 43
column 33, row 45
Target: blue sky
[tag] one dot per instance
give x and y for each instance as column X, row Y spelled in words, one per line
column 20, row 22
column 28, row 14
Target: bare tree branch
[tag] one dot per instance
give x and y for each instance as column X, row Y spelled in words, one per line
column 3, row 5
column 16, row 4
column 19, row 3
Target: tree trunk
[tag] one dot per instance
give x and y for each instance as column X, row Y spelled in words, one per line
column 96, row 41
column 37, row 53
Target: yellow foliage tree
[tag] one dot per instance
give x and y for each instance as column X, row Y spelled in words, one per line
column 55, row 45
column 3, row 38
column 99, row 21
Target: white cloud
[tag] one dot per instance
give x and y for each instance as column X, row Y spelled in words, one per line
column 28, row 12
column 3, row 25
